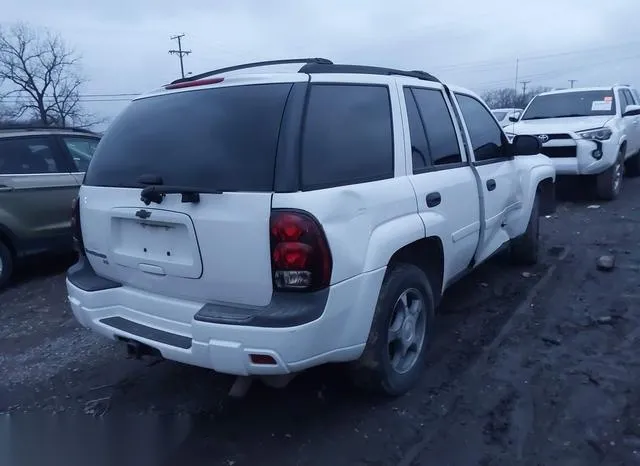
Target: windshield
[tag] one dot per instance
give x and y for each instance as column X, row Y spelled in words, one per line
column 571, row 104
column 223, row 139
column 499, row 115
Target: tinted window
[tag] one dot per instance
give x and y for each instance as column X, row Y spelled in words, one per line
column 628, row 97
column 441, row 134
column 486, row 136
column 347, row 136
column 571, row 104
column 221, row 138
column 20, row 156
column 419, row 147
column 81, row 150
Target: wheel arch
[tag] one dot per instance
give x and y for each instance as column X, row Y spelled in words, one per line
column 427, row 254
column 9, row 239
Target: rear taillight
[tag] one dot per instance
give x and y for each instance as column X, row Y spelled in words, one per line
column 300, row 256
column 76, row 230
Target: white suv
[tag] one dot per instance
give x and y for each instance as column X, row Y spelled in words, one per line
column 588, row 131
column 506, row 116
column 262, row 224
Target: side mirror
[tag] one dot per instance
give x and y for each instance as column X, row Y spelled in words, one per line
column 631, row 110
column 526, row 145
column 514, row 118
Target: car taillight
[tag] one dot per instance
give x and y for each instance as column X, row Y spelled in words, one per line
column 300, row 256
column 76, row 230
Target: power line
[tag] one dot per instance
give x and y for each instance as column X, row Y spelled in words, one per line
column 509, row 61
column 181, row 53
column 561, row 71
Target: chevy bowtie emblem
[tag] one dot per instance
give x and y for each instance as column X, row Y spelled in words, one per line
column 143, row 214
column 543, row 138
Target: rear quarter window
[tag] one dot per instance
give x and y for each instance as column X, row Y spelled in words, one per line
column 347, row 135
column 222, row 138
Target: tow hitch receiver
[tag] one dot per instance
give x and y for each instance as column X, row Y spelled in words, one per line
column 135, row 349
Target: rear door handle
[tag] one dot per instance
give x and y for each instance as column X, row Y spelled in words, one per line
column 5, row 189
column 491, row 184
column 433, row 199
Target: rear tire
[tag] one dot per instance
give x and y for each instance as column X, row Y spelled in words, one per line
column 395, row 355
column 609, row 183
column 525, row 248
column 6, row 264
column 632, row 166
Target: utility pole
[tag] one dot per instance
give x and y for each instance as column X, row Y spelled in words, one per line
column 524, row 87
column 181, row 53
column 572, row 81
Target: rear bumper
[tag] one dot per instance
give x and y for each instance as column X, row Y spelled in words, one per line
column 198, row 337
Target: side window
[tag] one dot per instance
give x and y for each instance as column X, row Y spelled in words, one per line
column 29, row 155
column 81, row 150
column 486, row 136
column 419, row 146
column 629, row 97
column 441, row 134
column 347, row 136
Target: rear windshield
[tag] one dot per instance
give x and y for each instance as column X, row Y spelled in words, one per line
column 223, row 139
column 571, row 104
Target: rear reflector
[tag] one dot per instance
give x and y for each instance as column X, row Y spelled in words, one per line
column 263, row 359
column 199, row 82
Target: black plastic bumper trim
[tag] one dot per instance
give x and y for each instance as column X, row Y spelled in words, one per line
column 142, row 331
column 284, row 310
column 82, row 275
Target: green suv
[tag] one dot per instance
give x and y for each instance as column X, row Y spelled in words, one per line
column 41, row 170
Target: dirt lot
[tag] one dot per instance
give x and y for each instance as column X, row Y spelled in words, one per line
column 531, row 366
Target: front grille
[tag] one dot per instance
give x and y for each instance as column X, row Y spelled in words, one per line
column 558, row 136
column 560, row 152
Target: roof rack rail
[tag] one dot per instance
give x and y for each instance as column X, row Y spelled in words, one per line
column 28, row 127
column 363, row 69
column 323, row 61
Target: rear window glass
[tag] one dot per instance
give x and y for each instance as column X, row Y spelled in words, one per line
column 347, row 136
column 223, row 138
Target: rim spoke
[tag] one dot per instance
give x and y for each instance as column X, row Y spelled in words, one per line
column 404, row 304
column 394, row 333
column 404, row 348
column 405, row 343
column 416, row 307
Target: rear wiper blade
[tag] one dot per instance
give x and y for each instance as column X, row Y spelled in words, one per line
column 156, row 193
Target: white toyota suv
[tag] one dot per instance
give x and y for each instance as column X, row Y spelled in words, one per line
column 506, row 116
column 587, row 131
column 261, row 224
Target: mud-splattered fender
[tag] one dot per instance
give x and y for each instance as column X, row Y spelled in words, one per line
column 531, row 172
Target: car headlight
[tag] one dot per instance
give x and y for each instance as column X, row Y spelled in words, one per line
column 509, row 136
column 601, row 134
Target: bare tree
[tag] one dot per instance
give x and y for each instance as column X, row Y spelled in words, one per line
column 509, row 98
column 40, row 76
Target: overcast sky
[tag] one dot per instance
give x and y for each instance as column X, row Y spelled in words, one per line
column 472, row 43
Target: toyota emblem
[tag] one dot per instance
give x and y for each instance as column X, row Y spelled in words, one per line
column 543, row 138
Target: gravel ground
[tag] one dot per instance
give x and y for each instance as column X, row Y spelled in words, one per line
column 533, row 366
